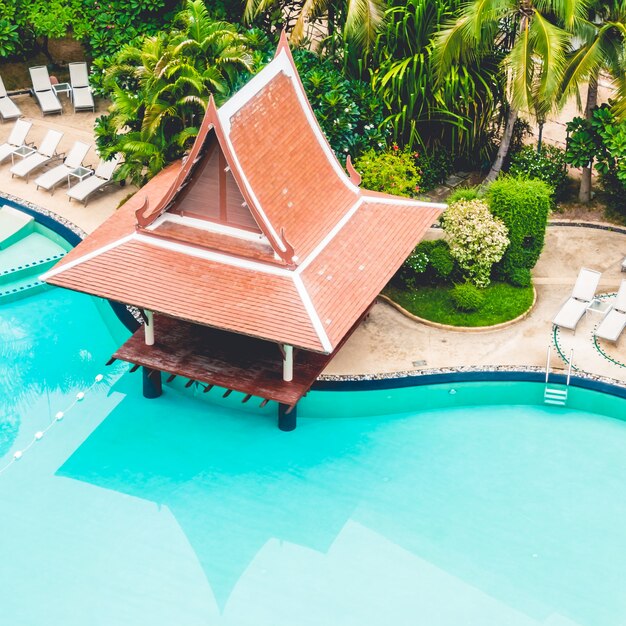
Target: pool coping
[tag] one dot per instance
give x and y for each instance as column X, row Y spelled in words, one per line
column 130, row 317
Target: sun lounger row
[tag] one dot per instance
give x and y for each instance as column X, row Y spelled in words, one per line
column 33, row 159
column 46, row 93
column 583, row 295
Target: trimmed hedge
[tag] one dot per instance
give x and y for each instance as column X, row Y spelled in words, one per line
column 523, row 205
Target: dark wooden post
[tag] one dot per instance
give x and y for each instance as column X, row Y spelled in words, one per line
column 151, row 383
column 286, row 417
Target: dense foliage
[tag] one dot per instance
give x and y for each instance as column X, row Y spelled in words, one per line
column 392, row 171
column 458, row 111
column 601, row 140
column 523, row 205
column 430, row 263
column 104, row 26
column 350, row 114
column 548, row 164
column 160, row 90
column 477, row 239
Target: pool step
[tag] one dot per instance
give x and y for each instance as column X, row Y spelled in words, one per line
column 14, row 225
column 555, row 396
column 19, row 289
column 31, row 268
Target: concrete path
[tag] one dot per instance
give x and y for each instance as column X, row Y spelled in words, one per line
column 390, row 342
column 76, row 127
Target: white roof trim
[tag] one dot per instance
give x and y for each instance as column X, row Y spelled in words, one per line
column 406, row 202
column 279, row 64
column 329, row 237
column 87, row 257
column 210, row 255
column 206, row 225
column 312, row 313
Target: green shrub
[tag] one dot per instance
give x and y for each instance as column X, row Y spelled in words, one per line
column 467, row 297
column 441, row 259
column 435, row 167
column 523, row 205
column 464, row 193
column 392, row 171
column 521, row 277
column 548, row 165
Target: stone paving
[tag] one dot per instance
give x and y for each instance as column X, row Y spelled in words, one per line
column 388, row 342
column 76, row 127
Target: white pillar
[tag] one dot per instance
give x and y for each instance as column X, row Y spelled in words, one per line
column 288, row 363
column 149, row 328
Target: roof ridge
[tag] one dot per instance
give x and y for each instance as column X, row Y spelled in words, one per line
column 309, row 307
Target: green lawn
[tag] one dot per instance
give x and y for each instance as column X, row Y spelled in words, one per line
column 503, row 302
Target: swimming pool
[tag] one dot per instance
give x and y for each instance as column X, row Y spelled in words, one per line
column 379, row 508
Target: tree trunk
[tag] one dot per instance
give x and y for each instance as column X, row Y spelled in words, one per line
column 43, row 47
column 584, row 193
column 504, row 147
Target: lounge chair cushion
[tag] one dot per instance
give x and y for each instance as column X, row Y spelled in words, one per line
column 83, row 99
column 8, row 109
column 570, row 314
column 5, row 151
column 612, row 325
column 48, row 101
column 53, row 177
column 86, row 187
column 29, row 164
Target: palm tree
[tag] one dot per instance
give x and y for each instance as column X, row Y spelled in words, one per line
column 357, row 21
column 603, row 45
column 457, row 112
column 160, row 89
column 535, row 38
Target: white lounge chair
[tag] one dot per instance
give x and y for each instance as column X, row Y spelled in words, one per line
column 8, row 109
column 45, row 153
column 16, row 139
column 42, row 87
column 614, row 322
column 102, row 177
column 582, row 295
column 82, row 98
column 59, row 174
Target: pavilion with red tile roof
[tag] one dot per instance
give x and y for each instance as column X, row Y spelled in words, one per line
column 256, row 245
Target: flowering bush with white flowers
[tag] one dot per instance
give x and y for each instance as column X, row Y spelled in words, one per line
column 477, row 239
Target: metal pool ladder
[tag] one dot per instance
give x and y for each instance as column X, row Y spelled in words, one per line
column 557, row 395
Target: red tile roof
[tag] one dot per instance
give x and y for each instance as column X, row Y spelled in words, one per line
column 325, row 247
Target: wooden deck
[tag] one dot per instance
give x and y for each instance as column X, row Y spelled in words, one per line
column 228, row 360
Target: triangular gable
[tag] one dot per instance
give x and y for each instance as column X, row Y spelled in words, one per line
column 212, row 193
column 209, row 154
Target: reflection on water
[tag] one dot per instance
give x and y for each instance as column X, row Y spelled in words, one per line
column 480, row 507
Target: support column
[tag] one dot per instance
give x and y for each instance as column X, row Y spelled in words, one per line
column 286, row 417
column 288, row 363
column 152, row 387
column 149, row 328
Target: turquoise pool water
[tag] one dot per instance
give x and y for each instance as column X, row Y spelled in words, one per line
column 378, row 509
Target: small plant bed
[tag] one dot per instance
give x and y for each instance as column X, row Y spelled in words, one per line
column 502, row 303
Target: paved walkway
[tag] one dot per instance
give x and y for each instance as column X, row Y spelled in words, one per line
column 76, row 127
column 388, row 341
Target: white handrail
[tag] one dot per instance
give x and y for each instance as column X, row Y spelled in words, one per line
column 548, row 363
column 569, row 369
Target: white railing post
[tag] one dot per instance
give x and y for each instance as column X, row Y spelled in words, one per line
column 548, row 363
column 569, row 369
column 149, row 328
column 288, row 363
